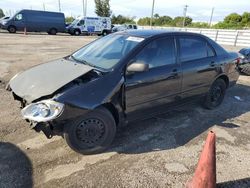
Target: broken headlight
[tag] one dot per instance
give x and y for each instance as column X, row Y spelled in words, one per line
column 42, row 111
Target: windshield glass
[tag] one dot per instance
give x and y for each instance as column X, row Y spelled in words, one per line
column 106, row 52
column 75, row 22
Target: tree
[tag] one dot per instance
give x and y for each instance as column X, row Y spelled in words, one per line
column 1, row 13
column 233, row 18
column 122, row 19
column 102, row 8
column 178, row 21
column 245, row 19
column 69, row 19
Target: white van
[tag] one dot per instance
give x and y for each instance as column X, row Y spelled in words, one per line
column 90, row 25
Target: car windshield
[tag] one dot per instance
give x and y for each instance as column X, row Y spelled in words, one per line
column 106, row 52
column 75, row 22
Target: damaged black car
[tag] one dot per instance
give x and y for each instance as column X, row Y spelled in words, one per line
column 119, row 78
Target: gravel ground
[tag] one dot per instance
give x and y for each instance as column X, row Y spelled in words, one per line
column 159, row 152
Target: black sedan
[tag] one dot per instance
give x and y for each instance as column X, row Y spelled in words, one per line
column 125, row 76
column 244, row 67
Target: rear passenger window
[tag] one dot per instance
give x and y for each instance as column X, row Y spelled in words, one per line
column 158, row 53
column 210, row 51
column 192, row 48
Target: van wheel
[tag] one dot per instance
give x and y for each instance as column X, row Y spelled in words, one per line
column 216, row 94
column 77, row 32
column 104, row 33
column 52, row 31
column 91, row 133
column 12, row 29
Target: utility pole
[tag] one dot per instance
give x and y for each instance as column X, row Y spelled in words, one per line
column 83, row 2
column 152, row 14
column 85, row 11
column 184, row 15
column 211, row 17
column 59, row 5
column 43, row 7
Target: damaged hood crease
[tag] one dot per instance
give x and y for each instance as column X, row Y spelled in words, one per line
column 45, row 79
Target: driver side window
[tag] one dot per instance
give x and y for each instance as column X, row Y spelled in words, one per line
column 159, row 52
column 19, row 17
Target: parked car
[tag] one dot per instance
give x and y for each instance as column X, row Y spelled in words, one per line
column 90, row 25
column 35, row 21
column 124, row 27
column 244, row 67
column 120, row 78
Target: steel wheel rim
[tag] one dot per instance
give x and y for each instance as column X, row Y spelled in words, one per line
column 90, row 132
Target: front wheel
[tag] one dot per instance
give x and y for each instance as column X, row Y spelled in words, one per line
column 91, row 133
column 216, row 94
column 12, row 29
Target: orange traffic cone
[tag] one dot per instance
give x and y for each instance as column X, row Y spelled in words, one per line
column 205, row 173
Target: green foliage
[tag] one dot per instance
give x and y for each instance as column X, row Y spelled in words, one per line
column 144, row 21
column 178, row 21
column 122, row 20
column 157, row 20
column 245, row 19
column 1, row 13
column 231, row 21
column 233, row 18
column 69, row 19
column 102, row 8
column 199, row 25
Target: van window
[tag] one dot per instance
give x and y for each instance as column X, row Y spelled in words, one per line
column 158, row 53
column 81, row 22
column 19, row 17
column 192, row 48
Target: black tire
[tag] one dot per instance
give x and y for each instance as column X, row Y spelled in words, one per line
column 216, row 94
column 245, row 69
column 52, row 31
column 92, row 133
column 12, row 29
column 77, row 32
column 104, row 33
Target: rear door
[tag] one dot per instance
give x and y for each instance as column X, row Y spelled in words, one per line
column 199, row 65
column 159, row 85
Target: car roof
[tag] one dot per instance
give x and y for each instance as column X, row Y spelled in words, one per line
column 146, row 33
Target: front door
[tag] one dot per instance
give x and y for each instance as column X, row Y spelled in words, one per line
column 19, row 22
column 160, row 84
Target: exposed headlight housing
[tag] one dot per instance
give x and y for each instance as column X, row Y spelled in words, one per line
column 42, row 111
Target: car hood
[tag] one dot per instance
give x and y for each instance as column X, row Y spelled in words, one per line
column 45, row 79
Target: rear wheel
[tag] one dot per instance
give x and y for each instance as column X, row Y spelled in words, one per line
column 12, row 29
column 104, row 33
column 52, row 31
column 91, row 133
column 216, row 94
column 77, row 32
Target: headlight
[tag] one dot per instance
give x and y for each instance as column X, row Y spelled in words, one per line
column 42, row 111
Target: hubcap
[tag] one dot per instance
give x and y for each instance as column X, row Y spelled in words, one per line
column 216, row 94
column 90, row 131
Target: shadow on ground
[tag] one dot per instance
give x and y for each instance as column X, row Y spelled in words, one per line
column 241, row 183
column 15, row 167
column 180, row 125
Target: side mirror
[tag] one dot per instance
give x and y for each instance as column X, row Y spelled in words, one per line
column 138, row 66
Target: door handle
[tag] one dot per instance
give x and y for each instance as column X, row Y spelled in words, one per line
column 174, row 72
column 212, row 63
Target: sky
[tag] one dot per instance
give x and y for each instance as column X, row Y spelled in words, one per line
column 199, row 10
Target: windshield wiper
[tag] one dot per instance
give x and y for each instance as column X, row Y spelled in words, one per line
column 84, row 62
